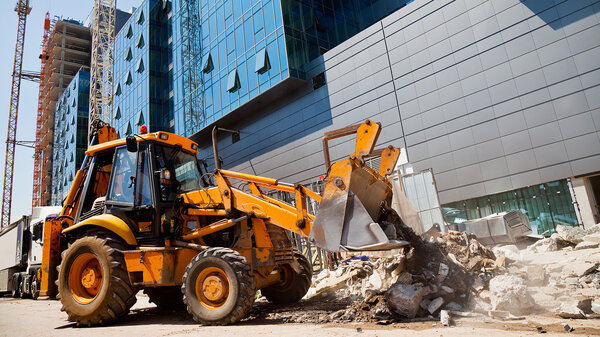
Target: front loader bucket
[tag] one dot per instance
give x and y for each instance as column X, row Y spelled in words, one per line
column 350, row 213
column 356, row 199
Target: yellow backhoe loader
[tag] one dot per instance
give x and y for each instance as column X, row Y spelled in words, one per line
column 143, row 214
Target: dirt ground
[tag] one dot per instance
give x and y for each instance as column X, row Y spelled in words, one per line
column 25, row 317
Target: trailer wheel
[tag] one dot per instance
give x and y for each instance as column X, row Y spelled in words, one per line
column 219, row 287
column 169, row 298
column 35, row 290
column 16, row 286
column 293, row 286
column 93, row 282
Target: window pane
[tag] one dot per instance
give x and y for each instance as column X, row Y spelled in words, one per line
column 123, row 178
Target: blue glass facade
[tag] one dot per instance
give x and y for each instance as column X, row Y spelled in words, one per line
column 141, row 77
column 212, row 56
column 225, row 53
column 70, row 134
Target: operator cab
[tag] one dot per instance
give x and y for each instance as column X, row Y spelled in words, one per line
column 139, row 182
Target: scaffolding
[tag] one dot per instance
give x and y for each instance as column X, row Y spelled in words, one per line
column 67, row 51
column 102, row 61
column 193, row 96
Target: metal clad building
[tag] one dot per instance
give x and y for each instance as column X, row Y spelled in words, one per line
column 500, row 98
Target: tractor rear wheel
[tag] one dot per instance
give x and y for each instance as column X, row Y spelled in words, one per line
column 93, row 282
column 168, row 298
column 219, row 287
column 293, row 286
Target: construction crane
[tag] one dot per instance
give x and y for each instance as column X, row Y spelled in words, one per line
column 22, row 8
column 101, row 65
column 36, row 196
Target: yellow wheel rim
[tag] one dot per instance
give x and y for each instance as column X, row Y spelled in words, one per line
column 212, row 287
column 85, row 278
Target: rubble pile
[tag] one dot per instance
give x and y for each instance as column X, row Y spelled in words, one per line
column 448, row 275
column 566, row 236
column 438, row 272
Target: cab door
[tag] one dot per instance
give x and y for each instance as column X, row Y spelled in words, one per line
column 131, row 193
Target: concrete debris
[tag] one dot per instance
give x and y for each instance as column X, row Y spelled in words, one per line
column 570, row 310
column 587, row 244
column 404, row 299
column 596, row 306
column 544, row 245
column 509, row 251
column 435, row 305
column 568, row 328
column 453, row 306
column 509, row 292
column 573, row 235
column 445, row 318
column 580, row 269
column 592, row 238
column 453, row 274
column 536, row 275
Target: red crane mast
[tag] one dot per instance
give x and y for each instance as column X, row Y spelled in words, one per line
column 22, row 8
column 37, row 165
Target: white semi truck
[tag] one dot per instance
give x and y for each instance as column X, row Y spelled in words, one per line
column 21, row 253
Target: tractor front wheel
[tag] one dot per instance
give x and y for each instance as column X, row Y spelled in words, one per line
column 218, row 287
column 93, row 282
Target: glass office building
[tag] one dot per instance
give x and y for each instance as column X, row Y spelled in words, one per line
column 70, row 134
column 141, row 74
column 181, row 65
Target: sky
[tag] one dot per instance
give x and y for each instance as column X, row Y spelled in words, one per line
column 68, row 9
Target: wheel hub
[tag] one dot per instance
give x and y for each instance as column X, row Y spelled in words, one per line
column 213, row 288
column 85, row 278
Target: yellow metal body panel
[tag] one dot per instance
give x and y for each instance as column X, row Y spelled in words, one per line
column 389, row 157
column 158, row 266
column 366, row 137
column 173, row 139
column 110, row 222
column 50, row 257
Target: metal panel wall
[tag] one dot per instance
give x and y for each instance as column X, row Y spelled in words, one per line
column 492, row 95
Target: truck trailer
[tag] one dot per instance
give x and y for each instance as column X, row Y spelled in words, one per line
column 21, row 253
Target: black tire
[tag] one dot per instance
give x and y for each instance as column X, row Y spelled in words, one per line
column 112, row 297
column 24, row 291
column 16, row 286
column 35, row 291
column 168, row 298
column 231, row 268
column 293, row 285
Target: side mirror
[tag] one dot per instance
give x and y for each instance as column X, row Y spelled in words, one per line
column 131, row 144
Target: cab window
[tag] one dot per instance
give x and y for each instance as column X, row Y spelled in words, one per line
column 123, row 177
column 143, row 193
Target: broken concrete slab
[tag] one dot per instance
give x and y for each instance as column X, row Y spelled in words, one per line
column 544, row 245
column 573, row 235
column 445, row 318
column 570, row 310
column 435, row 305
column 592, row 238
column 509, row 251
column 509, row 292
column 536, row 275
column 580, row 269
column 587, row 245
column 404, row 299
